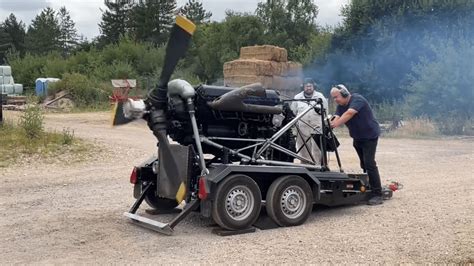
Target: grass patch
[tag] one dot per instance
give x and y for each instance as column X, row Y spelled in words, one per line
column 415, row 128
column 25, row 140
column 48, row 147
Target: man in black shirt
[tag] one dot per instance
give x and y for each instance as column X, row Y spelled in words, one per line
column 354, row 111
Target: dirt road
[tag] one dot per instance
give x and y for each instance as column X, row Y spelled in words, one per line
column 72, row 213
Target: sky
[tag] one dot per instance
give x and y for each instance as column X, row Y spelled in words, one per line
column 87, row 13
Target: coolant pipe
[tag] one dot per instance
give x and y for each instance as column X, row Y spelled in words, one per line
column 202, row 163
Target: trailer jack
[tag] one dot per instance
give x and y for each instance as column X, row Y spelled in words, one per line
column 164, row 228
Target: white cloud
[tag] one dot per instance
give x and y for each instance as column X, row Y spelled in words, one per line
column 330, row 12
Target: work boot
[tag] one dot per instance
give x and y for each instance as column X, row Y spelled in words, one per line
column 375, row 200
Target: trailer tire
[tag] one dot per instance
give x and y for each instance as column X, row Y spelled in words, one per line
column 237, row 202
column 159, row 203
column 289, row 200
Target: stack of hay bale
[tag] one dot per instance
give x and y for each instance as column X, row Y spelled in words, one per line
column 266, row 64
column 7, row 84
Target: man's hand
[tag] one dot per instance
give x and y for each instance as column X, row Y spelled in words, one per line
column 333, row 120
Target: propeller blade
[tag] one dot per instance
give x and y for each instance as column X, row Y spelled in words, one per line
column 176, row 48
column 118, row 118
column 172, row 184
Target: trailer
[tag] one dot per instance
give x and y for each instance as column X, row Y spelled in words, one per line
column 232, row 185
column 234, row 154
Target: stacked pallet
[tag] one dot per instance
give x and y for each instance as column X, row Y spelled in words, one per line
column 267, row 65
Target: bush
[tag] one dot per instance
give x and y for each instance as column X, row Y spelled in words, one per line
column 85, row 63
column 83, row 91
column 390, row 111
column 27, row 69
column 67, row 136
column 54, row 66
column 31, row 121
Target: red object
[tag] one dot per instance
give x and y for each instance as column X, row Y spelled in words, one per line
column 133, row 176
column 120, row 93
column 202, row 188
column 393, row 187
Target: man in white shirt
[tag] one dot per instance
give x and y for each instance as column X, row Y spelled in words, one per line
column 310, row 123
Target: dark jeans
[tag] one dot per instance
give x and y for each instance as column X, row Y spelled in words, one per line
column 366, row 151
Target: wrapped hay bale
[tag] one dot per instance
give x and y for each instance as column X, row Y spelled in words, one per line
column 18, row 88
column 5, row 71
column 264, row 52
column 7, row 89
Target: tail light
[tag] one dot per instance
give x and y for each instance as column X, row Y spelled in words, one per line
column 202, row 188
column 133, row 176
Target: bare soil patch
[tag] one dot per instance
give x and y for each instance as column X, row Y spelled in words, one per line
column 72, row 212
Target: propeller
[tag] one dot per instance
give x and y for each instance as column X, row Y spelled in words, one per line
column 170, row 183
column 178, row 43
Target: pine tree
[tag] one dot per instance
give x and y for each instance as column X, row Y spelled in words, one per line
column 115, row 20
column 152, row 20
column 194, row 11
column 6, row 43
column 68, row 37
column 43, row 34
column 16, row 32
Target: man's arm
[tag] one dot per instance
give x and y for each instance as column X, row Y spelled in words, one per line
column 346, row 116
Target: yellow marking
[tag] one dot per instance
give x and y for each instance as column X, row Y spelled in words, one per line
column 181, row 193
column 185, row 24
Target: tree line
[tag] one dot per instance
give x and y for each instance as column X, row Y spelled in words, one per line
column 415, row 55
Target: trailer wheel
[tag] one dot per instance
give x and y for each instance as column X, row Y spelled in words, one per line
column 159, row 203
column 289, row 200
column 237, row 203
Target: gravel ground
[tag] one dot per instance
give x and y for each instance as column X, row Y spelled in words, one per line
column 72, row 212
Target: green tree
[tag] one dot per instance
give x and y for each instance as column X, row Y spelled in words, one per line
column 315, row 50
column 194, row 11
column 115, row 20
column 217, row 43
column 441, row 88
column 288, row 23
column 6, row 43
column 379, row 42
column 15, row 34
column 152, row 20
column 43, row 34
column 68, row 38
